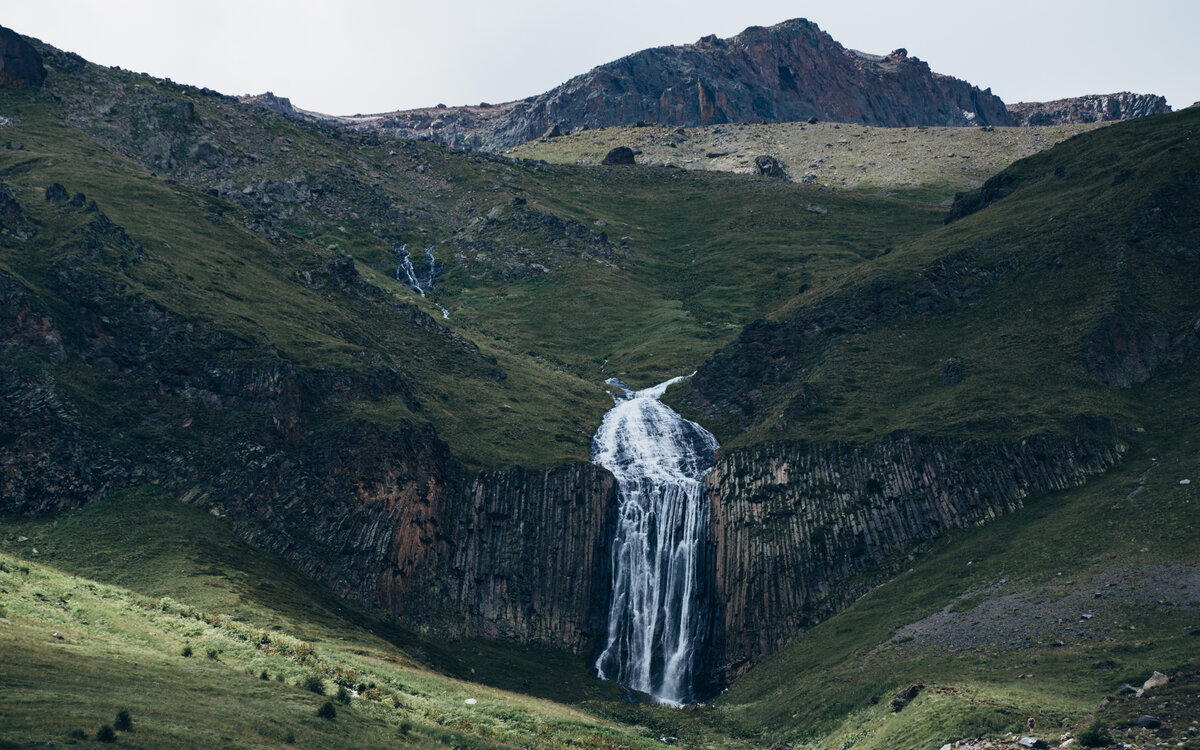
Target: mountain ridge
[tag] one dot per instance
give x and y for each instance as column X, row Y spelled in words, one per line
column 792, row 71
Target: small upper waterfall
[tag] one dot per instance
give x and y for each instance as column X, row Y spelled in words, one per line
column 408, row 275
column 661, row 618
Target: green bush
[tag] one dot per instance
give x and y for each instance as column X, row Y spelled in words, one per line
column 327, row 711
column 263, row 675
column 313, row 684
column 343, row 695
column 78, row 734
column 1095, row 735
column 123, row 723
column 405, row 727
column 187, row 650
column 106, row 734
column 212, row 654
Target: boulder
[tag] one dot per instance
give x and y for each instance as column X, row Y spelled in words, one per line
column 769, row 166
column 1033, row 742
column 952, row 371
column 554, row 131
column 205, row 152
column 817, row 208
column 619, row 155
column 1126, row 689
column 906, row 696
column 1149, row 722
column 56, row 193
column 1158, row 679
column 20, row 64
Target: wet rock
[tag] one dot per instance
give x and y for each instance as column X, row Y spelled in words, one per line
column 619, row 155
column 56, row 193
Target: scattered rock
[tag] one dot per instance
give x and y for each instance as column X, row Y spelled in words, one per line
column 56, row 193
column 1032, row 742
column 1149, row 722
column 470, row 701
column 79, row 200
column 1185, row 481
column 817, row 208
column 1126, row 689
column 769, row 166
column 619, row 155
column 952, row 371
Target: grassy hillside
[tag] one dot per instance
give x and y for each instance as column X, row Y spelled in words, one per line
column 930, row 162
column 1051, row 300
column 175, row 577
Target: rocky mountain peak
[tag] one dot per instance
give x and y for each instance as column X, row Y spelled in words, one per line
column 20, row 64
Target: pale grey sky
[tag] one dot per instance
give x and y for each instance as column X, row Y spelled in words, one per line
column 374, row 55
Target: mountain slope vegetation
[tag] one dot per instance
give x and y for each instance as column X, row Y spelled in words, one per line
column 218, row 394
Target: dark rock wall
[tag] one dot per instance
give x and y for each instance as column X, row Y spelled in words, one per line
column 20, row 64
column 1092, row 108
column 802, row 530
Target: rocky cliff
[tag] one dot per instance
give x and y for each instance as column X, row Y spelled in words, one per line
column 1093, row 108
column 803, row 529
column 787, row 72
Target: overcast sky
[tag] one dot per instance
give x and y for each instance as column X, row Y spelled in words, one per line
column 373, row 55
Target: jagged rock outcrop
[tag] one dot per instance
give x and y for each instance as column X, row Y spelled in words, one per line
column 792, row 71
column 1123, row 105
column 20, row 64
column 803, row 529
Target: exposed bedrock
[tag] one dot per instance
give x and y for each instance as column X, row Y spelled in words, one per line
column 802, row 530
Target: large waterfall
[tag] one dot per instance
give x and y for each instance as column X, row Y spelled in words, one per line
column 661, row 622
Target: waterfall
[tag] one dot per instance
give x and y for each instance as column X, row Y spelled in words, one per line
column 661, row 623
column 406, row 273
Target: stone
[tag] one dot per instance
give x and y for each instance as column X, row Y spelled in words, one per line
column 1033, row 742
column 619, row 155
column 79, row 200
column 906, row 696
column 1149, row 722
column 952, row 371
column 20, row 64
column 1158, row 679
column 56, row 193
column 205, row 152
column 769, row 166
column 816, row 208
column 554, row 131
column 1126, row 689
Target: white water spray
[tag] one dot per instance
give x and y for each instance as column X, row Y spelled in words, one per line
column 657, row 621
column 407, row 274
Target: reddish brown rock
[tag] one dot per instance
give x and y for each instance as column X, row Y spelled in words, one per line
column 20, row 64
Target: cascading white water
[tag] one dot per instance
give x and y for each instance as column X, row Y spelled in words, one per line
column 658, row 620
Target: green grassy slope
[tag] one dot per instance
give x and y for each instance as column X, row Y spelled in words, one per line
column 1090, row 258
column 930, row 162
column 185, row 580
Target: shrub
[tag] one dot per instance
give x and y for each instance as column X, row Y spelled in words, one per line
column 212, row 654
column 313, row 684
column 290, row 738
column 123, row 723
column 78, row 734
column 106, row 734
column 187, row 650
column 405, row 727
column 263, row 675
column 279, row 677
column 1095, row 735
column 327, row 711
column 343, row 695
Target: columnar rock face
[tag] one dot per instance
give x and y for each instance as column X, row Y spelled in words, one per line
column 1093, row 108
column 20, row 64
column 801, row 530
column 521, row 555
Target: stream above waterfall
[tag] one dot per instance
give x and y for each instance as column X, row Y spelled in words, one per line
column 662, row 629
